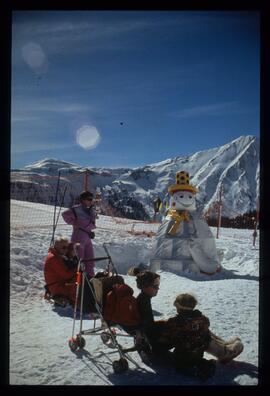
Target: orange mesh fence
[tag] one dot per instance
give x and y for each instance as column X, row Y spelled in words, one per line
column 33, row 199
column 35, row 215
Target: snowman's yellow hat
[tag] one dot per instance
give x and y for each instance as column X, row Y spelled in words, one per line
column 182, row 184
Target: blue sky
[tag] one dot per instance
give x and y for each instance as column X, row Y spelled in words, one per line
column 131, row 88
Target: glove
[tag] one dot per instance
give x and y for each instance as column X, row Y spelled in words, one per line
column 71, row 263
column 92, row 234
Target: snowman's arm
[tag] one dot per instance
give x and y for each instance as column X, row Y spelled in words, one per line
column 169, row 225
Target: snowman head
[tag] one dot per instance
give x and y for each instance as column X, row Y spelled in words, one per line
column 183, row 200
column 182, row 193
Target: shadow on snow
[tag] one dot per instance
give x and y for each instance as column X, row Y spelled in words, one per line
column 223, row 275
column 162, row 373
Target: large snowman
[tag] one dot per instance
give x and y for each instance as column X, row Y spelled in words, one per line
column 184, row 241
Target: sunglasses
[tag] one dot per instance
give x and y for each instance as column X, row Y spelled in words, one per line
column 64, row 247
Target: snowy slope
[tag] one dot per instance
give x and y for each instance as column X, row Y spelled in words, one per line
column 39, row 352
column 234, row 166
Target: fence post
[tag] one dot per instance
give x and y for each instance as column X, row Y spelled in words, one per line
column 55, row 204
column 219, row 211
column 256, row 224
column 86, row 180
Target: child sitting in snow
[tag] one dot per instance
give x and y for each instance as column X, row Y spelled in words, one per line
column 60, row 270
column 148, row 282
column 188, row 332
column 150, row 330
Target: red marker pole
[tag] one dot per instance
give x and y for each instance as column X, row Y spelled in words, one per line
column 219, row 211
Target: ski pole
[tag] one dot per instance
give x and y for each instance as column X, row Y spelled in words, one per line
column 110, row 259
column 55, row 204
column 60, row 207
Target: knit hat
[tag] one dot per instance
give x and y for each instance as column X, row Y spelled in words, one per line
column 185, row 301
column 86, row 195
column 182, row 184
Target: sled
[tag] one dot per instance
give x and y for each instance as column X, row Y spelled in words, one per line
column 107, row 332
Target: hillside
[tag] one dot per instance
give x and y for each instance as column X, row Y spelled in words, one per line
column 234, row 167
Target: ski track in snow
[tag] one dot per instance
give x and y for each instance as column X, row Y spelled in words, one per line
column 39, row 333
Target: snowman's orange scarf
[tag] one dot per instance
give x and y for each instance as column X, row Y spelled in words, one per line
column 177, row 217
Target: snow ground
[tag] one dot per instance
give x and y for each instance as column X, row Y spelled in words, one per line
column 39, row 333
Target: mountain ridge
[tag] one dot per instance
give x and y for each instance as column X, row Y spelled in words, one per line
column 234, row 167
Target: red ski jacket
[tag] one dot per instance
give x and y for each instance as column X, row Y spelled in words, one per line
column 59, row 279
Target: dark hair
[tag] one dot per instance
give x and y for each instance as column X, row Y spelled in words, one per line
column 146, row 278
column 86, row 195
column 185, row 301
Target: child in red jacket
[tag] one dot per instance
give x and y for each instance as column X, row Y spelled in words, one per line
column 60, row 272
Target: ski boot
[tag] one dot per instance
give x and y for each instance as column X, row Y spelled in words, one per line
column 225, row 351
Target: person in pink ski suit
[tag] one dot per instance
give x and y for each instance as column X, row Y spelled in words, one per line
column 83, row 219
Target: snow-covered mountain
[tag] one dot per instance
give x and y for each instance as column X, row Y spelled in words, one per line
column 233, row 168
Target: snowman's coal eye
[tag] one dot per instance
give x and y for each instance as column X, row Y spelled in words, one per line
column 190, row 196
column 181, row 196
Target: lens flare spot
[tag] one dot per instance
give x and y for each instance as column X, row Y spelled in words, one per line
column 87, row 137
column 35, row 57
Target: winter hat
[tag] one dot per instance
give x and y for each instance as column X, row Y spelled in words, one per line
column 86, row 195
column 146, row 278
column 185, row 301
column 182, row 184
